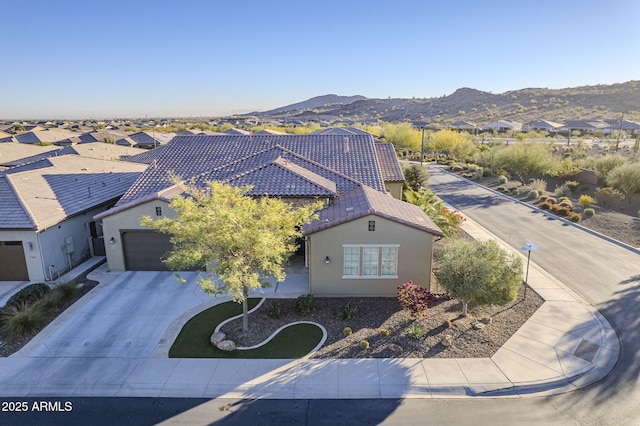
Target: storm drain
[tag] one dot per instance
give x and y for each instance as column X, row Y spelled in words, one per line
column 586, row 350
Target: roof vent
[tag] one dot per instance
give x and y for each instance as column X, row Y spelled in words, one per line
column 349, row 209
column 346, row 144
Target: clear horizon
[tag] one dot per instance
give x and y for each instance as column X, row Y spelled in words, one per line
column 113, row 59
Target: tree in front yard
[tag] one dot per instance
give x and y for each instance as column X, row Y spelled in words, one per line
column 415, row 177
column 479, row 272
column 242, row 240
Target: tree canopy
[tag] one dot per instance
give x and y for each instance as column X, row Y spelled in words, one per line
column 415, row 177
column 457, row 145
column 480, row 272
column 242, row 240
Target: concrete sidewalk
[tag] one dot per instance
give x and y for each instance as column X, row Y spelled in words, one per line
column 565, row 345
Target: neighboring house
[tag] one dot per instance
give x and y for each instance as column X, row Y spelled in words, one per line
column 463, row 125
column 47, row 209
column 583, row 126
column 235, row 131
column 630, row 127
column 365, row 242
column 542, row 126
column 148, row 140
column 44, row 136
column 502, row 126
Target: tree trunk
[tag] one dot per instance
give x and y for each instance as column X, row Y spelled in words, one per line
column 464, row 308
column 245, row 310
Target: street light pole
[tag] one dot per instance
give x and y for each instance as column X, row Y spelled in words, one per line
column 422, row 147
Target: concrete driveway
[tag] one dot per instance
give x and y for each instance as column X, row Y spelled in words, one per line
column 125, row 318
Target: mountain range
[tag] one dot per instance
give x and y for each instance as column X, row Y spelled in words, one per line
column 576, row 103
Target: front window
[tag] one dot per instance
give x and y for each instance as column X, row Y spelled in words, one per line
column 370, row 261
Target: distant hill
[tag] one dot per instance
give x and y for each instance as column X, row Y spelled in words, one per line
column 326, row 101
column 585, row 102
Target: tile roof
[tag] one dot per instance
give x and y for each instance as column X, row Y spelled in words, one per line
column 12, row 151
column 147, row 156
column 195, row 155
column 349, row 171
column 391, row 170
column 41, row 197
column 282, row 178
column 344, row 131
column 365, row 201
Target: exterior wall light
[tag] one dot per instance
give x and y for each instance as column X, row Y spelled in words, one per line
column 112, row 240
column 327, row 260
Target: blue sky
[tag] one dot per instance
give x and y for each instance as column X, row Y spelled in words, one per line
column 136, row 58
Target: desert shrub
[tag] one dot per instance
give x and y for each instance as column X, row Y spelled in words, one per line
column 65, row 292
column 276, row 310
column 544, row 197
column 514, row 191
column 456, row 168
column 563, row 190
column 347, row 331
column 533, row 194
column 545, row 205
column 22, row 319
column 585, row 200
column 562, row 211
column 501, row 189
column 384, row 332
column 563, row 199
column 414, row 299
column 608, row 197
column 29, row 294
column 502, row 180
column 575, row 217
column 572, row 184
column 347, row 312
column 589, row 212
column 552, row 200
column 487, row 172
column 304, row 304
column 538, row 184
column 566, row 204
column 566, row 155
column 415, row 331
column 364, row 345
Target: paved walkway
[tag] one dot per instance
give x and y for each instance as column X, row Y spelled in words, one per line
column 98, row 348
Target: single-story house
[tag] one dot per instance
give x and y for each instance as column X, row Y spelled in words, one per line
column 542, row 125
column 365, row 241
column 502, row 126
column 46, row 212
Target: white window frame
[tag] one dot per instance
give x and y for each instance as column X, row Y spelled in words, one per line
column 364, row 272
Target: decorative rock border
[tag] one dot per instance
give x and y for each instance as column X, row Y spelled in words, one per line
column 275, row 333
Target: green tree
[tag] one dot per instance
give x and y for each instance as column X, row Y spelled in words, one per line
column 458, row 146
column 524, row 159
column 627, row 178
column 242, row 240
column 480, row 272
column 402, row 136
column 447, row 220
column 415, row 177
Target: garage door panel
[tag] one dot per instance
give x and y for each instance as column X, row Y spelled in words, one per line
column 13, row 265
column 144, row 250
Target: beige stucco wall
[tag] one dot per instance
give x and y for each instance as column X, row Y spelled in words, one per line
column 395, row 189
column 127, row 220
column 414, row 257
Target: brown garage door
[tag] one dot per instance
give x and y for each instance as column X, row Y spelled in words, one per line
column 13, row 266
column 144, row 250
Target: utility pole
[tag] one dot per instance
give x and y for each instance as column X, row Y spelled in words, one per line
column 619, row 132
